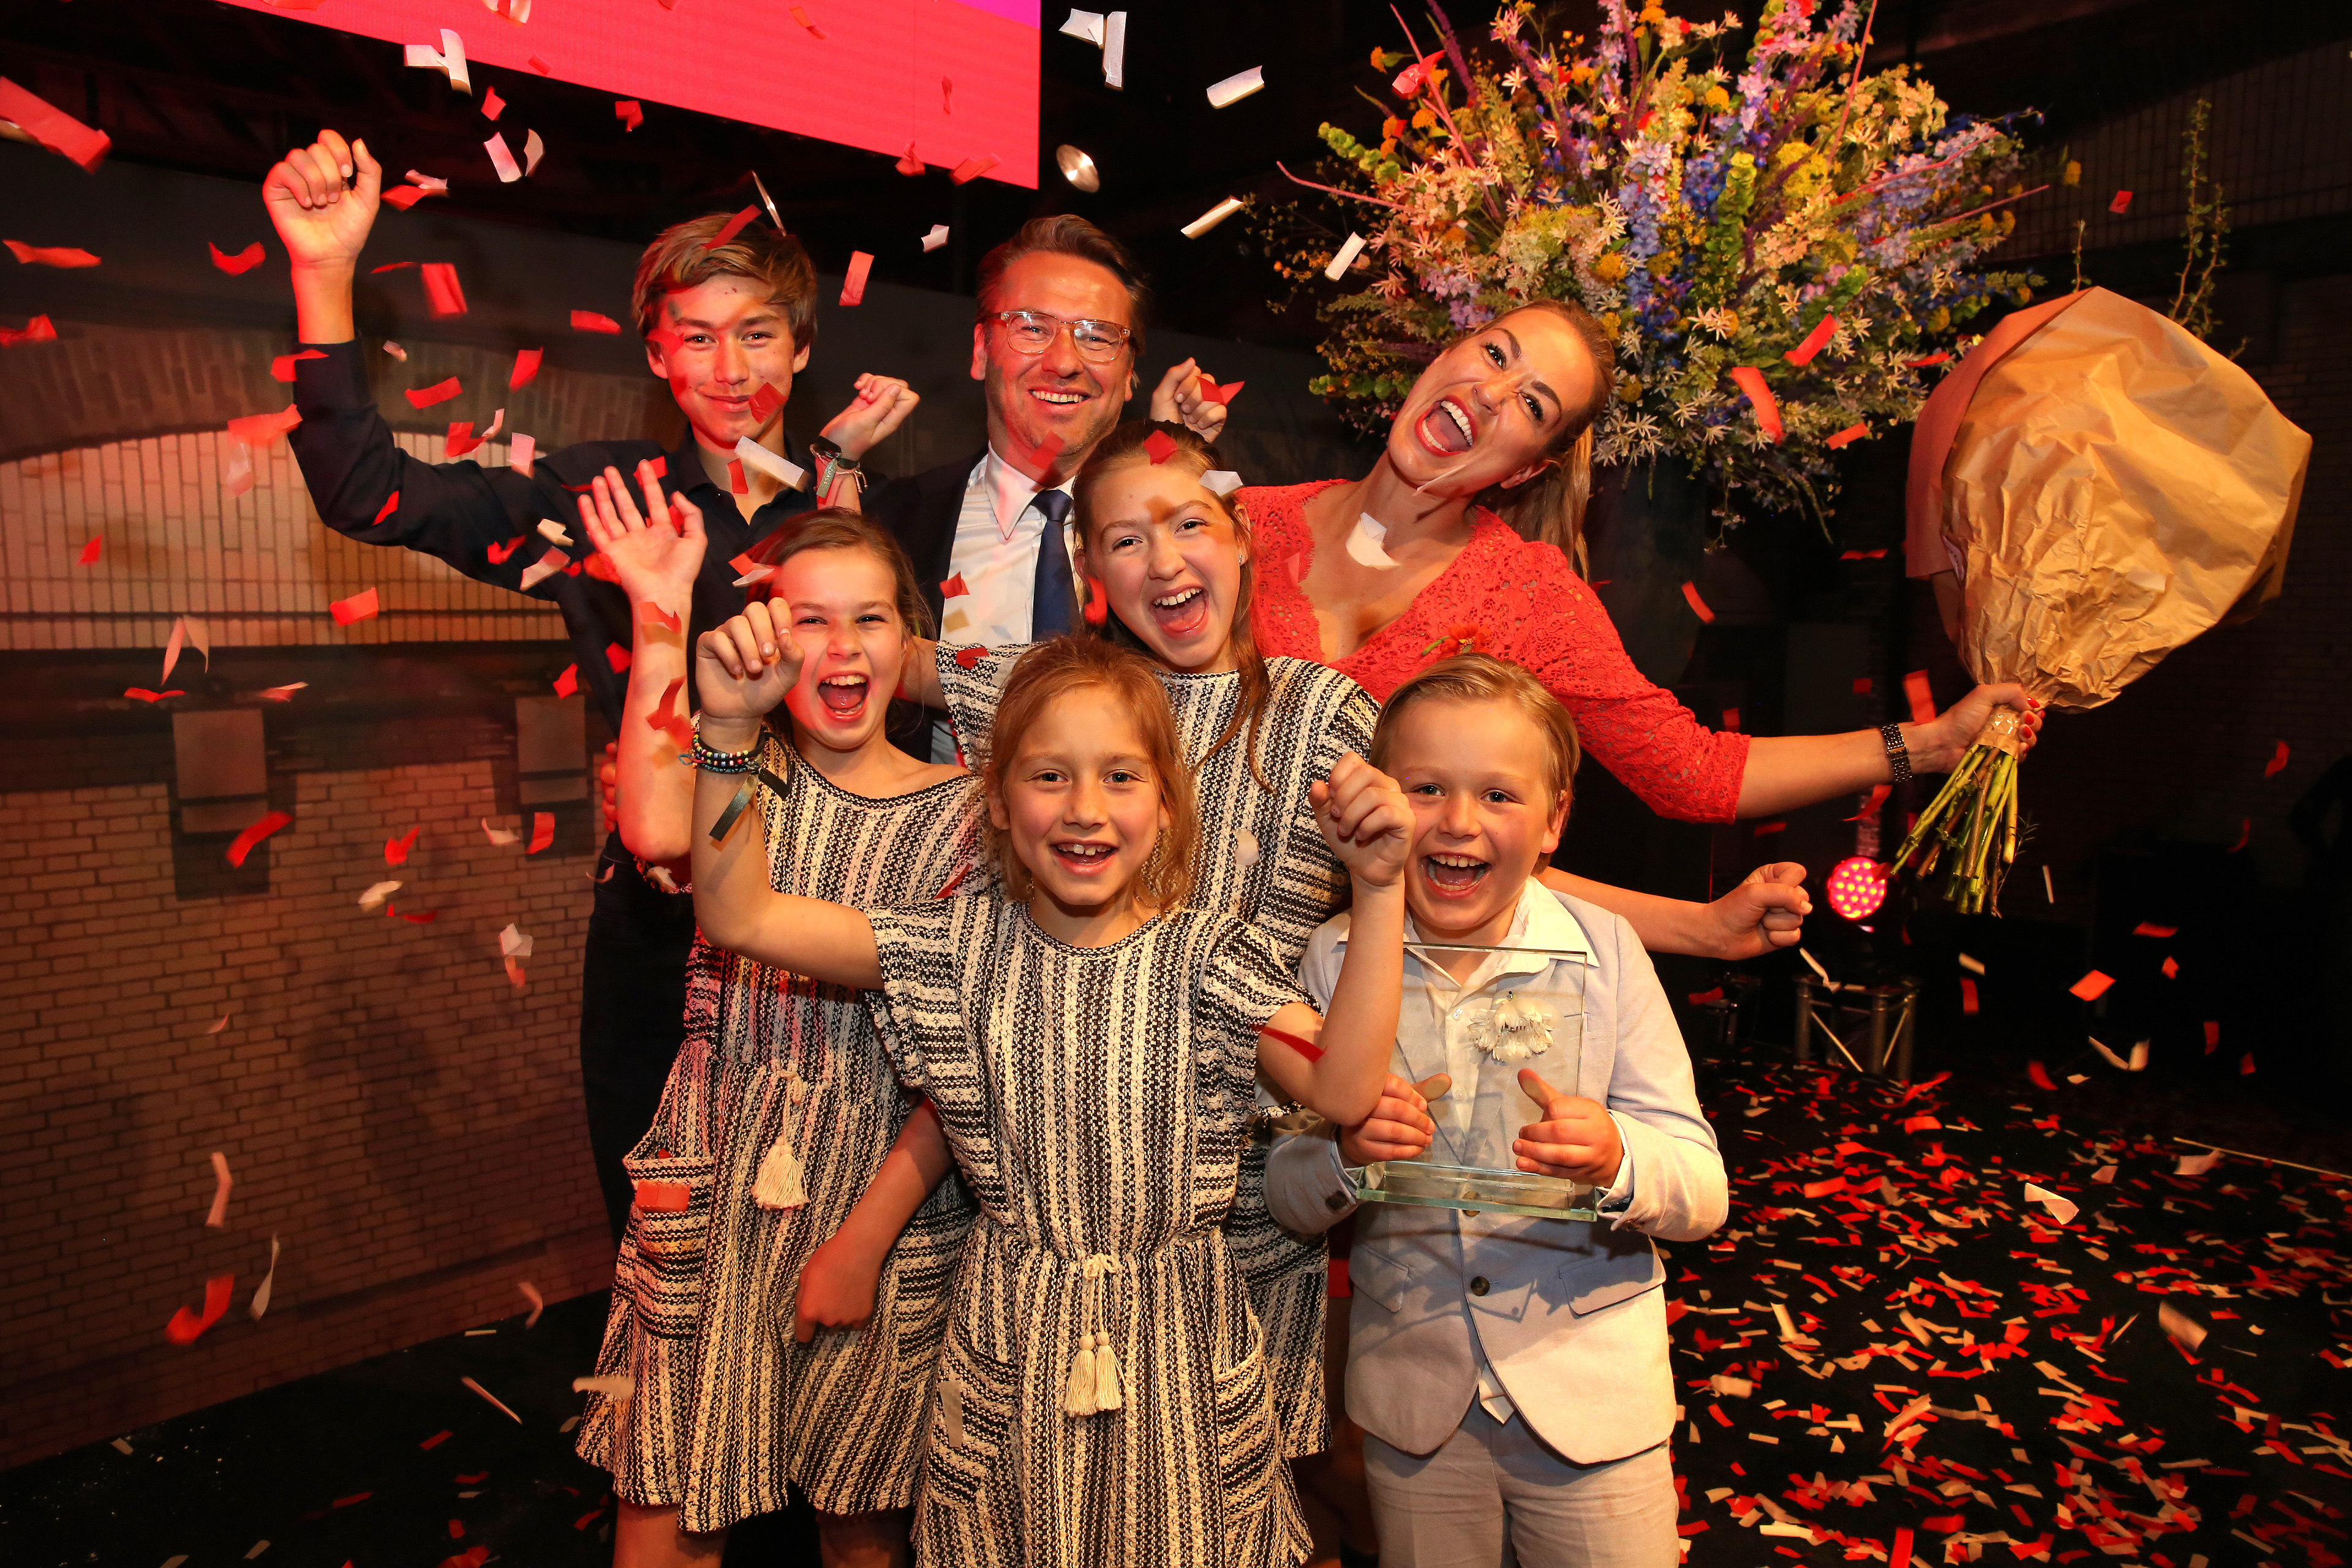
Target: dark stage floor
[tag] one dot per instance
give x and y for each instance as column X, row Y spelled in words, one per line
column 1963, row 1368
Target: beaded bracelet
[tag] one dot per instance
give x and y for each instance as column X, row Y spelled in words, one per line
column 701, row 754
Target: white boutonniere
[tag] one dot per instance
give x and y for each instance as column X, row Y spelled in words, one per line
column 1514, row 1028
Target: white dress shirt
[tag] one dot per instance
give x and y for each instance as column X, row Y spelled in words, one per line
column 995, row 553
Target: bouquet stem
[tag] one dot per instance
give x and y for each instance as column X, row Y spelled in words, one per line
column 1969, row 829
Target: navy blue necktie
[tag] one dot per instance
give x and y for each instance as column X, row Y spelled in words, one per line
column 1053, row 598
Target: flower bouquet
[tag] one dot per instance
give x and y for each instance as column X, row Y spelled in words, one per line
column 1780, row 244
column 2104, row 487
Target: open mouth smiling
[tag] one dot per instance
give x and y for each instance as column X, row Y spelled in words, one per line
column 844, row 696
column 1454, row 875
column 1182, row 612
column 1447, row 429
column 1083, row 857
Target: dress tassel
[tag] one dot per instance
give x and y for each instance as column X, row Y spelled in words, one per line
column 1078, row 1398
column 778, row 1184
column 1107, row 1394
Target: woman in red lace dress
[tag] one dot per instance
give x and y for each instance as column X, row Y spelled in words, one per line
column 1379, row 575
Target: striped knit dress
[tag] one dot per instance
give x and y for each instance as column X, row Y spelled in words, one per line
column 1097, row 1100
column 727, row 1409
column 1263, row 859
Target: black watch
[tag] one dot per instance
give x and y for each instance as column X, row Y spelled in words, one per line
column 1898, row 755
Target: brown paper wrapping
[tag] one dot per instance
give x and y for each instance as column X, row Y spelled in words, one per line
column 2113, row 489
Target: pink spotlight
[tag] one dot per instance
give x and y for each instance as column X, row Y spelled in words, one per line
column 1857, row 887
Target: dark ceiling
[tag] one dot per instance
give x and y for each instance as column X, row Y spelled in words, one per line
column 222, row 91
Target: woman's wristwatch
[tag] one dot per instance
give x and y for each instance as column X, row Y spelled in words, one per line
column 1898, row 755
column 832, row 462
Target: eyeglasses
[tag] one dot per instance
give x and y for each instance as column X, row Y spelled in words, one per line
column 1034, row 332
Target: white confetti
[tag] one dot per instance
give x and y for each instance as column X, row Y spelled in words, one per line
column 499, row 835
column 377, row 893
column 520, row 453
column 493, row 1398
column 546, row 566
column 2062, row 1210
column 122, row 1444
column 1086, row 25
column 496, row 420
column 2138, row 1062
column 218, row 1218
column 1367, row 541
column 1973, row 965
column 2105, row 1173
column 751, row 455
column 2187, row 1331
column 1221, row 481
column 501, row 160
column 1730, row 1387
column 1246, row 849
column 620, row 1386
column 260, row 1302
column 1212, row 218
column 222, row 1022
column 756, row 575
column 537, row 1302
column 552, row 531
column 1235, row 87
column 936, row 239
column 395, row 351
column 2198, row 1164
column 513, row 944
column 533, row 150
column 449, row 60
column 1114, row 43
column 1345, row 259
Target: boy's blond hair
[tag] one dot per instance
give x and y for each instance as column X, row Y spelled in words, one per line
column 1482, row 677
column 681, row 256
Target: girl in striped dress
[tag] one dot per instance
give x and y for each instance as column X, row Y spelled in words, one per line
column 1093, row 1045
column 774, row 1184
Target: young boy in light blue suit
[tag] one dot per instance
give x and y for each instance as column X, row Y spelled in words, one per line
column 1511, row 1374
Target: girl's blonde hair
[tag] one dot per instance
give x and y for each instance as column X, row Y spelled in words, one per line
column 1126, row 447
column 838, row 528
column 1482, row 677
column 1054, row 670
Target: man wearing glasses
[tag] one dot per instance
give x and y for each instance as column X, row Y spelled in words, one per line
column 1060, row 328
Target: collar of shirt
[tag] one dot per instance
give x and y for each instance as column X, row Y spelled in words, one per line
column 1009, row 490
column 686, row 476
column 1542, row 931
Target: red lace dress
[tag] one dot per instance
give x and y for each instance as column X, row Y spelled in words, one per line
column 1517, row 601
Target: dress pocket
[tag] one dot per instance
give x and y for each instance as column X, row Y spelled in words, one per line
column 975, row 1402
column 669, row 1231
column 1249, row 1445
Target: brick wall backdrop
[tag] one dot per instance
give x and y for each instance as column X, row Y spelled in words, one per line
column 404, row 1120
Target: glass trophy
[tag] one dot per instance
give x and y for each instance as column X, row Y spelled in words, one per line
column 1534, row 1026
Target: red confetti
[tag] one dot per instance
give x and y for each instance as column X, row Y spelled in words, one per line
column 2245, row 832
column 663, row 716
column 2172, row 967
column 1924, row 363
column 664, row 1197
column 271, row 821
column 1304, row 1048
column 52, row 127
column 568, row 682
column 853, row 282
column 2146, row 929
column 765, row 402
column 1698, row 604
column 800, row 16
column 1098, row 610
column 2121, row 205
column 2277, row 765
column 2040, row 1075
column 667, row 621
column 2246, row 1065
column 439, row 392
column 590, row 322
column 910, row 164
column 1922, row 696
column 243, row 262
column 1823, row 1190
column 427, row 919
column 733, row 226
column 89, row 556
column 1759, row 397
column 389, row 267
column 1899, row 1554
column 360, row 606
column 1700, row 999
column 631, row 113
column 1862, row 686
column 526, row 367
column 542, row 831
column 1731, row 720
column 259, row 430
column 2212, row 1036
column 736, row 482
column 282, row 367
column 954, row 587
column 461, row 440
column 972, row 169
column 970, row 658
column 395, row 850
column 1220, row 396
column 1815, row 342
column 434, row 1441
column 1969, row 1003
column 40, row 329
column 617, row 657
column 403, row 197
column 392, row 501
column 49, row 254
column 1160, row 445
column 143, row 695
column 442, row 297
column 185, row 1328
column 2092, row 986
column 491, row 103
column 1847, row 438
column 498, row 553
column 947, row 95
column 1878, row 794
